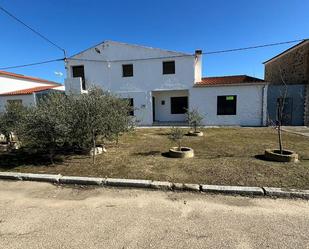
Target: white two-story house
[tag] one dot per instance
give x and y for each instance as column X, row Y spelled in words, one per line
column 156, row 81
column 161, row 85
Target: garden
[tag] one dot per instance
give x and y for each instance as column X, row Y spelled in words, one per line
column 61, row 134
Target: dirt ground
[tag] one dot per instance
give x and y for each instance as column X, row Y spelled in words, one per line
column 226, row 156
column 39, row 215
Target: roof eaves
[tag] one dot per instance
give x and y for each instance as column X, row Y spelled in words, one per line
column 286, row 51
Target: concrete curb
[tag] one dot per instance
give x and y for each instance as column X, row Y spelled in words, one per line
column 233, row 190
column 161, row 185
column 128, row 183
column 290, row 193
column 82, row 180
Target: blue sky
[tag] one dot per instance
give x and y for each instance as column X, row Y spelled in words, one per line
column 181, row 25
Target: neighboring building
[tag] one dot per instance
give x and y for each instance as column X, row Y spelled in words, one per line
column 291, row 68
column 162, row 84
column 10, row 82
column 24, row 89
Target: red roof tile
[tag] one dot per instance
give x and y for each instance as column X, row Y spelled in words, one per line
column 29, row 90
column 21, row 76
column 227, row 80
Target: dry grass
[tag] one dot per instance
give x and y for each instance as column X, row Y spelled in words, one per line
column 227, row 156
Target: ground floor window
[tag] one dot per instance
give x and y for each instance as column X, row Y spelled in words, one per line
column 226, row 105
column 179, row 105
column 131, row 103
column 14, row 102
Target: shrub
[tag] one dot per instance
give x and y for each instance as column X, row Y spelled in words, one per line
column 194, row 119
column 11, row 119
column 176, row 135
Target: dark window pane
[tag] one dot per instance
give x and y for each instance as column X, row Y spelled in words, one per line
column 226, row 105
column 127, row 70
column 179, row 105
column 78, row 71
column 168, row 67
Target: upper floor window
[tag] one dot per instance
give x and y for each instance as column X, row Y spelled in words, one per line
column 226, row 105
column 78, row 71
column 127, row 70
column 168, row 67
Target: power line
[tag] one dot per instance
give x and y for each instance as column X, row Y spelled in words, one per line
column 166, row 57
column 33, row 30
column 32, row 64
column 253, row 47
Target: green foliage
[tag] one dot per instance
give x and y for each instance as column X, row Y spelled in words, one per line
column 75, row 121
column 11, row 119
column 194, row 119
column 176, row 135
column 44, row 127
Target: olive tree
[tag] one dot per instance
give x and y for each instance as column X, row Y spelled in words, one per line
column 10, row 120
column 194, row 119
column 97, row 115
column 176, row 135
column 44, row 127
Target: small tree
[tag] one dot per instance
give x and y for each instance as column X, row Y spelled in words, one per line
column 11, row 119
column 97, row 115
column 176, row 135
column 44, row 127
column 194, row 119
column 280, row 109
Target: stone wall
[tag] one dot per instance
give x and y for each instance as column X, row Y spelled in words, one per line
column 293, row 67
column 306, row 114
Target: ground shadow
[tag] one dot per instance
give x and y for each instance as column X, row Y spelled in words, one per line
column 147, row 153
column 10, row 160
column 262, row 157
column 166, row 154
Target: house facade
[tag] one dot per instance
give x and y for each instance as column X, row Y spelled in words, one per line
column 24, row 89
column 161, row 85
column 288, row 74
column 231, row 100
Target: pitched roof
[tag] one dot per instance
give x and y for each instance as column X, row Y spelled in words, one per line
column 30, row 90
column 287, row 50
column 227, row 80
column 131, row 45
column 23, row 77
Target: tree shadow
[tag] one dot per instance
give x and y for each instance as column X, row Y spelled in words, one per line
column 10, row 160
column 262, row 157
column 166, row 154
column 148, row 153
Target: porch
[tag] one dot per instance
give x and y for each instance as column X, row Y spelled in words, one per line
column 169, row 107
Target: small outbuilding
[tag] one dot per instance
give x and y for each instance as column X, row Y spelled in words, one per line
column 231, row 100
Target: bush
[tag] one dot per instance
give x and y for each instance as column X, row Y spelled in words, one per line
column 11, row 119
column 194, row 119
column 76, row 121
column 176, row 135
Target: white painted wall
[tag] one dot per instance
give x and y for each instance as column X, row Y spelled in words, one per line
column 251, row 104
column 163, row 112
column 147, row 72
column 27, row 100
column 10, row 84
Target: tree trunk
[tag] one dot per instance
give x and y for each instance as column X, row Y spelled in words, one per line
column 94, row 147
column 280, row 139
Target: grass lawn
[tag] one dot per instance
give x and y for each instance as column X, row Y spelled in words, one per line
column 226, row 156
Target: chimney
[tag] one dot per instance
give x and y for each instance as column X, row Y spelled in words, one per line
column 198, row 52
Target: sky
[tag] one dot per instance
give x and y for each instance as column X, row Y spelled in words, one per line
column 179, row 25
